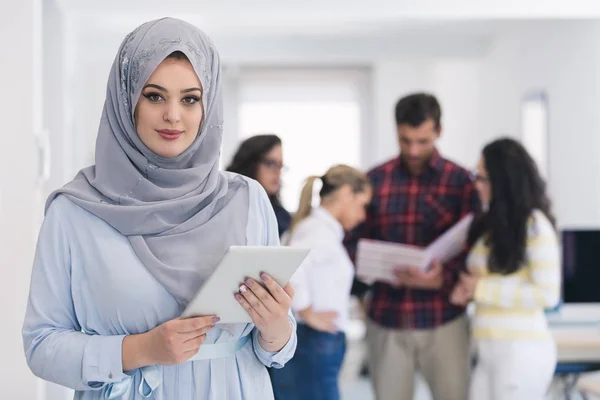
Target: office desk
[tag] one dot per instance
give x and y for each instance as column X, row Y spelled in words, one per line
column 577, row 345
column 576, row 330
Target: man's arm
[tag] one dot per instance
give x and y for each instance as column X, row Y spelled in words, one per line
column 363, row 231
column 453, row 268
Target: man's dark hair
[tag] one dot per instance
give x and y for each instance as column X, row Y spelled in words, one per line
column 417, row 108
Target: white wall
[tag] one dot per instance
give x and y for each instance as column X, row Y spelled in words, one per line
column 457, row 84
column 562, row 58
column 566, row 60
column 501, row 87
column 20, row 23
column 454, row 81
column 55, row 112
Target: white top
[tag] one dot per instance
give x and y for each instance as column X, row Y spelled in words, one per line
column 89, row 290
column 324, row 280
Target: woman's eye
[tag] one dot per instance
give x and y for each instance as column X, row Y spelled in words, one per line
column 153, row 97
column 191, row 100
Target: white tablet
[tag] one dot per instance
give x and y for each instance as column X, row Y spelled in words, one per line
column 216, row 296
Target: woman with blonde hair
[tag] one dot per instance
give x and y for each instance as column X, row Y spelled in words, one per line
column 322, row 284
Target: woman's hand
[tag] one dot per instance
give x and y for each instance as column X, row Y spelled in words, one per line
column 469, row 282
column 171, row 343
column 323, row 321
column 269, row 310
column 459, row 296
column 464, row 291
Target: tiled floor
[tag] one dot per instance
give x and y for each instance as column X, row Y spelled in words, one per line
column 360, row 389
column 357, row 390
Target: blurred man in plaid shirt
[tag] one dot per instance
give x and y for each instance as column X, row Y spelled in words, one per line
column 412, row 325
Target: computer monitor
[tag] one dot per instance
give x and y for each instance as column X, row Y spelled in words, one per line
column 581, row 265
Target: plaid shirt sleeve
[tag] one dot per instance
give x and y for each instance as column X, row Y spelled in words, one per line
column 366, row 230
column 352, row 237
column 363, row 231
column 453, row 267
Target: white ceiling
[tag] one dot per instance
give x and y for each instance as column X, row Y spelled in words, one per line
column 350, row 9
column 323, row 17
column 336, row 30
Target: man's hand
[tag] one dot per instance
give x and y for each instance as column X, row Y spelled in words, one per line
column 414, row 277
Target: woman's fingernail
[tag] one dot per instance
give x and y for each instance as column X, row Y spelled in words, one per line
column 243, row 289
column 264, row 276
column 237, row 297
column 249, row 282
column 216, row 319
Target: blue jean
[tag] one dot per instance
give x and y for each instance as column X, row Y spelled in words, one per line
column 314, row 370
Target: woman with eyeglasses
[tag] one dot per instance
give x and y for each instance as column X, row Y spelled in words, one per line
column 260, row 157
column 514, row 274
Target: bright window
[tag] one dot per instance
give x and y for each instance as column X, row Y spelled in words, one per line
column 535, row 129
column 318, row 117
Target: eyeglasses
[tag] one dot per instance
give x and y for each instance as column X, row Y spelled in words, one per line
column 273, row 165
column 480, row 178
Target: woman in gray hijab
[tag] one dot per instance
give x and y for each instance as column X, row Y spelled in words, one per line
column 126, row 244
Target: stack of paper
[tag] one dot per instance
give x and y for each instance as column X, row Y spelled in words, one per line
column 377, row 260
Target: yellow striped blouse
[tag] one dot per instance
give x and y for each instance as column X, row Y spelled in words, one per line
column 512, row 306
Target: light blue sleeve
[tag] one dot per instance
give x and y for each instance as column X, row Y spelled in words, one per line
column 271, row 238
column 55, row 348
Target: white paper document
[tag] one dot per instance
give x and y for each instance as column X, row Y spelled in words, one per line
column 377, row 260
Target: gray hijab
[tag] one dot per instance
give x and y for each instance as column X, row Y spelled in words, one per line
column 179, row 214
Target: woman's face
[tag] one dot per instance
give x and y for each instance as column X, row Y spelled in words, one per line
column 353, row 206
column 268, row 173
column 482, row 183
column 169, row 112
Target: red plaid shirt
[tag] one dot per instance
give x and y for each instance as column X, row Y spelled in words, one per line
column 415, row 210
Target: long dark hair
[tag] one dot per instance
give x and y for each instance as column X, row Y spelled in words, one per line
column 517, row 189
column 250, row 154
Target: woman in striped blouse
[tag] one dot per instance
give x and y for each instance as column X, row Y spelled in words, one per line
column 514, row 274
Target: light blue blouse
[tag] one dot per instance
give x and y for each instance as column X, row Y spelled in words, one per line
column 89, row 290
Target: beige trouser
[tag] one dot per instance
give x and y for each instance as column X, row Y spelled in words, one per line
column 441, row 355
